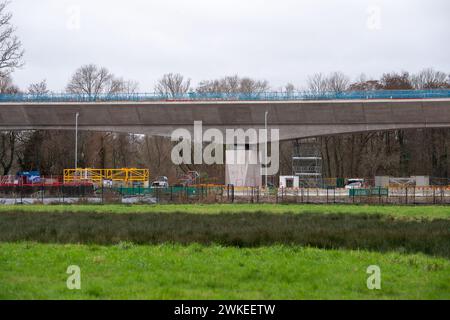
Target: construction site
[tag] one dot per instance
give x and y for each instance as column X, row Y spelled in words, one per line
column 305, row 185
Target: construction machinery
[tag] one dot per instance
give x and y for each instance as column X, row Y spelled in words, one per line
column 29, row 177
column 188, row 179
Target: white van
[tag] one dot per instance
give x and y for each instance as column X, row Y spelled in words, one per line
column 160, row 182
column 354, row 184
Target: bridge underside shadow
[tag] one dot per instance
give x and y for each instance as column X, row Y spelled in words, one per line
column 286, row 132
column 294, row 119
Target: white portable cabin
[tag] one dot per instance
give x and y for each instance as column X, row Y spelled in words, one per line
column 289, row 182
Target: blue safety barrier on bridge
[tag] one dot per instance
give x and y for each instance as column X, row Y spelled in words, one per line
column 196, row 96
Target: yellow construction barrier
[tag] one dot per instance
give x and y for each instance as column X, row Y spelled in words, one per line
column 98, row 175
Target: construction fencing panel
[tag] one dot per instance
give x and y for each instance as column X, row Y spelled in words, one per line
column 26, row 194
column 73, row 194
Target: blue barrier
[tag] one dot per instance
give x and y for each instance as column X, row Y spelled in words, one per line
column 262, row 96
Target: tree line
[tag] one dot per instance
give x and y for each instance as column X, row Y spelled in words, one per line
column 397, row 152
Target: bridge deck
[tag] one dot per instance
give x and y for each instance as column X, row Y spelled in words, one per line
column 294, row 119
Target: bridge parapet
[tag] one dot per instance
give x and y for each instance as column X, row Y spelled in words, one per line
column 261, row 96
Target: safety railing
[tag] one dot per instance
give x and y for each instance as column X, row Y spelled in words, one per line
column 198, row 96
column 91, row 193
column 100, row 175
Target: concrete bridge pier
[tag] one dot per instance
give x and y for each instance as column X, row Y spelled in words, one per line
column 242, row 166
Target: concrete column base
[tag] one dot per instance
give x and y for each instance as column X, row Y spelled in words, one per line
column 242, row 168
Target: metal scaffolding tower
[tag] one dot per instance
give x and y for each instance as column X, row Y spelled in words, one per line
column 307, row 162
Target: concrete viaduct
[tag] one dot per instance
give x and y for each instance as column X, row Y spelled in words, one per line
column 294, row 119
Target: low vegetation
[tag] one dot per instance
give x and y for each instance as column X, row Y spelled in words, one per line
column 246, row 228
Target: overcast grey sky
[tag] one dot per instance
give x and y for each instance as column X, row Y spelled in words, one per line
column 277, row 40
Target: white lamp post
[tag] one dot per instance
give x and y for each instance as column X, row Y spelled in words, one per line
column 266, row 151
column 76, row 140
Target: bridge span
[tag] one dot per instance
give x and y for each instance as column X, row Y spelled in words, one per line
column 294, row 119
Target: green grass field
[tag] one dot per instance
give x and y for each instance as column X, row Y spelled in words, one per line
column 124, row 271
column 224, row 251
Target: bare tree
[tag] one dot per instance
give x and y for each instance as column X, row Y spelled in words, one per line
column 32, row 155
column 7, row 86
column 337, row 82
column 334, row 82
column 98, row 148
column 90, row 80
column 8, row 139
column 317, row 83
column 7, row 150
column 11, row 52
column 364, row 84
column 249, row 85
column 38, row 88
column 11, row 55
column 172, row 85
column 396, row 81
column 429, row 79
column 289, row 88
column 93, row 80
column 129, row 86
column 229, row 84
column 233, row 84
column 119, row 85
